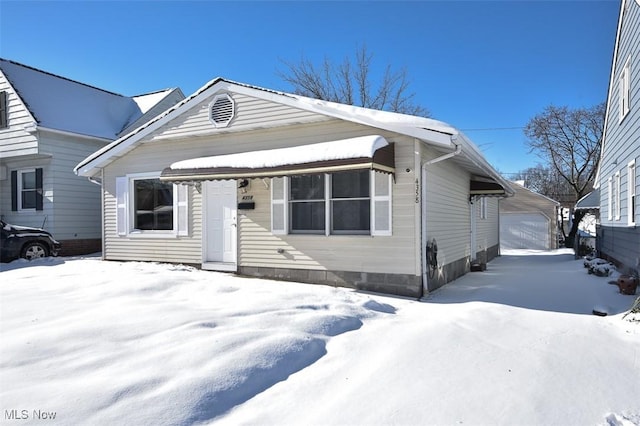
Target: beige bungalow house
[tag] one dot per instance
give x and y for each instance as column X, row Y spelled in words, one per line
column 270, row 184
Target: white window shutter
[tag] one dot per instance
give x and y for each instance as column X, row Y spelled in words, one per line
column 121, row 204
column 381, row 209
column 279, row 206
column 182, row 210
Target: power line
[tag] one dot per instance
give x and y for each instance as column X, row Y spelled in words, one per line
column 492, row 128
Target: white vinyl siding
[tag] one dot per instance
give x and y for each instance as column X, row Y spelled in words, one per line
column 447, row 210
column 483, row 208
column 75, row 200
column 257, row 245
column 14, row 140
column 487, row 227
column 249, row 113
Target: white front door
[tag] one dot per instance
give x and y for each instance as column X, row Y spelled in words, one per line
column 220, row 225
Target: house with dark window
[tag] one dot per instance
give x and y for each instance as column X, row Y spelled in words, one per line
column 48, row 124
column 270, row 184
column 617, row 182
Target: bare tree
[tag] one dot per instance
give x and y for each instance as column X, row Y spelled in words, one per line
column 569, row 141
column 351, row 82
column 546, row 181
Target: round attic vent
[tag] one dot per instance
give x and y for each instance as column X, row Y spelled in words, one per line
column 221, row 110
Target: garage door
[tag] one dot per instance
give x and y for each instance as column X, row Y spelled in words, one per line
column 524, row 231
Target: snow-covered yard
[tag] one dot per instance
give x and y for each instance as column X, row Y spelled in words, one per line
column 110, row 343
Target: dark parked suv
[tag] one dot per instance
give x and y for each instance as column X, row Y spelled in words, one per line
column 28, row 243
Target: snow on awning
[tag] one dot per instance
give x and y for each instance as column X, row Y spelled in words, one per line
column 486, row 189
column 366, row 152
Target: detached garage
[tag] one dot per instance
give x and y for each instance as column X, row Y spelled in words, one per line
column 528, row 220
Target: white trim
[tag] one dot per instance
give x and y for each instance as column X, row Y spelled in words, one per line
column 282, row 199
column 631, row 192
column 610, row 198
column 122, row 197
column 125, row 213
column 282, row 202
column 624, row 90
column 483, row 207
column 616, row 193
column 19, row 188
column 215, row 99
column 381, row 198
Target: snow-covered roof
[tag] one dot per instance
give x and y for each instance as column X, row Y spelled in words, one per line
column 148, row 100
column 60, row 103
column 432, row 132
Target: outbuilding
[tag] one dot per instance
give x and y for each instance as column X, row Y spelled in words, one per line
column 528, row 220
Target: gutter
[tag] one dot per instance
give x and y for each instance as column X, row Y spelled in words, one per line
column 33, row 128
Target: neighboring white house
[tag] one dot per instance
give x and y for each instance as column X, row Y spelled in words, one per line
column 271, row 184
column 618, row 234
column 48, row 124
column 528, row 220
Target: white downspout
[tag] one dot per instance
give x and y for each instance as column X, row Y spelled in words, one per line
column 445, row 156
column 423, row 207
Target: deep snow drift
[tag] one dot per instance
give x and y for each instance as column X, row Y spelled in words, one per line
column 94, row 342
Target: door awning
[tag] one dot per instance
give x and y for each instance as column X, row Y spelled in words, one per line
column 366, row 152
column 486, row 189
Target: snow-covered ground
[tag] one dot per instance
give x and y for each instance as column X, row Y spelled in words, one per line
column 111, row 343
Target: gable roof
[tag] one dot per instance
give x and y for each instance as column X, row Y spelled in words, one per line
column 63, row 104
column 525, row 199
column 433, row 132
column 612, row 79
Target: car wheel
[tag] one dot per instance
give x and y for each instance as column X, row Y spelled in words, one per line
column 34, row 251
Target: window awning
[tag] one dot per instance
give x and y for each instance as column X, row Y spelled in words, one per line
column 366, row 152
column 591, row 201
column 486, row 189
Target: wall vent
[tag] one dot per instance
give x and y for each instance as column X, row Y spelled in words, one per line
column 221, row 110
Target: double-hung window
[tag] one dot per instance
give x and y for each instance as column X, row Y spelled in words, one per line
column 624, row 90
column 146, row 205
column 350, row 202
column 343, row 203
column 307, row 204
column 26, row 190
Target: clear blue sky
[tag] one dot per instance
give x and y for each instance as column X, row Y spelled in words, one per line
column 474, row 64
